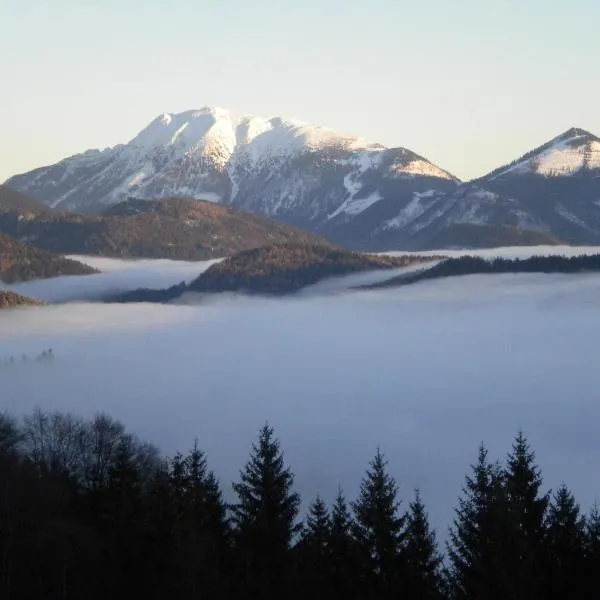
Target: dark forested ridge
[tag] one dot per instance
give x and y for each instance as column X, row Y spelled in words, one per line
column 11, row 300
column 286, row 268
column 275, row 270
column 88, row 510
column 171, row 228
column 21, row 262
column 474, row 265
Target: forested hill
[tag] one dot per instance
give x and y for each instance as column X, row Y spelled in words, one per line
column 287, row 268
column 10, row 300
column 21, row 262
column 275, row 271
column 474, row 265
column 173, row 228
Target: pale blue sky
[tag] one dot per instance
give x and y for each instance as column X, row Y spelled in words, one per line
column 470, row 84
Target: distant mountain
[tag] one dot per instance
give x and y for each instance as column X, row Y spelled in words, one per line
column 171, row 228
column 356, row 193
column 22, row 262
column 556, row 186
column 302, row 174
column 11, row 300
column 275, row 271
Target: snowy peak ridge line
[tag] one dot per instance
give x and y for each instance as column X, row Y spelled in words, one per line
column 566, row 154
column 234, row 130
column 273, row 166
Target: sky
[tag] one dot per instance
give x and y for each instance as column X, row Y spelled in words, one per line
column 468, row 84
column 432, row 370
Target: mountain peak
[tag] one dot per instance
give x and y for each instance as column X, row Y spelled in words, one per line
column 564, row 155
column 575, row 134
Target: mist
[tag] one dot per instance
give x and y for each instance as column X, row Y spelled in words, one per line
column 425, row 372
column 116, row 276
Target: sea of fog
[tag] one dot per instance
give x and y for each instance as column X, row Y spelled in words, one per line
column 425, row 372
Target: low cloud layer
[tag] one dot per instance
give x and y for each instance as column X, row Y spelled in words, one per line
column 117, row 276
column 425, row 372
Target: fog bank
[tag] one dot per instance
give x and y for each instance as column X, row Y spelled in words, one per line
column 426, row 372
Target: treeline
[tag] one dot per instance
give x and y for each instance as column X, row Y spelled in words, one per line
column 22, row 262
column 12, row 300
column 87, row 510
column 43, row 356
column 475, row 265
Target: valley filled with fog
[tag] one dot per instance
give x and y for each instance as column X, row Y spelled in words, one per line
column 426, row 372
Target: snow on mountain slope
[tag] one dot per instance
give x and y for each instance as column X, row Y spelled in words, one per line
column 566, row 154
column 357, row 193
column 275, row 166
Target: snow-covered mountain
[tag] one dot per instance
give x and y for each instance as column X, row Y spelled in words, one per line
column 551, row 193
column 304, row 174
column 356, row 192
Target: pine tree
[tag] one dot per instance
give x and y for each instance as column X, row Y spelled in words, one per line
column 342, row 550
column 202, row 528
column 565, row 542
column 474, row 572
column 423, row 561
column 592, row 548
column 122, row 511
column 526, row 511
column 317, row 528
column 313, row 551
column 378, row 530
column 265, row 519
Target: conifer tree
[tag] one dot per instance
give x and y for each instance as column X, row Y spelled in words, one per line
column 378, row 530
column 202, row 529
column 421, row 556
column 122, row 511
column 474, row 572
column 342, row 549
column 565, row 542
column 525, row 511
column 265, row 519
column 316, row 532
column 313, row 551
column 592, row 548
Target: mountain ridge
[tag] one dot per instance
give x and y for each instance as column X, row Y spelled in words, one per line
column 354, row 192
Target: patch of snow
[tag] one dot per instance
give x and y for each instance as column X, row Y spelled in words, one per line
column 564, row 157
column 413, row 210
column 565, row 213
column 419, row 167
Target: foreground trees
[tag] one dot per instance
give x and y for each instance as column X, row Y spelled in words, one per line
column 89, row 511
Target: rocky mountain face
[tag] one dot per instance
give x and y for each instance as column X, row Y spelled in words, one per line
column 354, row 192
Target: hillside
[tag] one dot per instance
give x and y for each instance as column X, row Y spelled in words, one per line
column 474, row 265
column 172, row 228
column 275, row 270
column 21, row 262
column 11, row 200
column 10, row 300
column 286, row 268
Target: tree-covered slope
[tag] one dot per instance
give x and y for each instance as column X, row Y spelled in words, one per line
column 474, row 265
column 286, row 268
column 172, row 228
column 11, row 300
column 21, row 262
